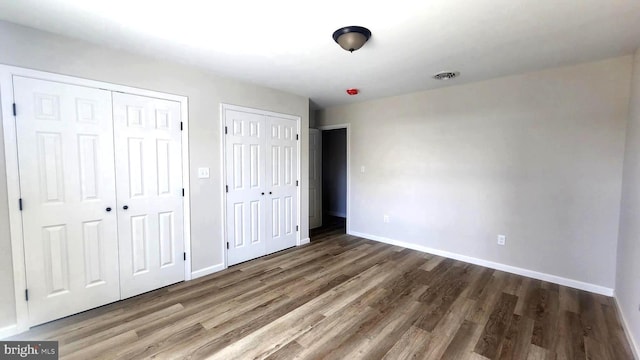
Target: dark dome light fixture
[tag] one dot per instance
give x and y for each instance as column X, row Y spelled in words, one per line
column 351, row 38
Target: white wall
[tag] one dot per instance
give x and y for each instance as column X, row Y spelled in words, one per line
column 34, row 49
column 628, row 275
column 537, row 157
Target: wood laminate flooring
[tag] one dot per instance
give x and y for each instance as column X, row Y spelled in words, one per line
column 343, row 297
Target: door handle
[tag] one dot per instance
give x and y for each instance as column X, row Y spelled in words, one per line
column 125, row 207
column 270, row 193
column 262, row 193
column 108, row 209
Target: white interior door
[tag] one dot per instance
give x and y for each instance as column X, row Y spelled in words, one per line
column 65, row 149
column 149, row 177
column 281, row 176
column 246, row 186
column 315, row 178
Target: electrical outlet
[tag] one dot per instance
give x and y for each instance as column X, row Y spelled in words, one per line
column 362, row 169
column 502, row 239
column 386, row 218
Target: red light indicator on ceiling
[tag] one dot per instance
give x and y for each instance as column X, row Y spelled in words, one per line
column 352, row 91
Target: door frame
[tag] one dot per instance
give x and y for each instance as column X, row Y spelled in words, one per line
column 348, row 200
column 319, row 186
column 223, row 168
column 13, row 181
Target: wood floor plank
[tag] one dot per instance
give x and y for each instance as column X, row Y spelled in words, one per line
column 537, row 353
column 372, row 331
column 343, row 297
column 161, row 340
column 432, row 262
column 521, row 293
column 80, row 341
column 324, row 343
column 490, row 342
column 568, row 299
column 99, row 350
column 411, row 345
column 460, row 346
column 445, row 330
column 332, row 323
column 478, row 287
column 542, row 307
column 573, row 346
column 517, row 338
column 593, row 323
column 618, row 346
column 595, row 349
column 289, row 351
column 387, row 336
column 487, row 299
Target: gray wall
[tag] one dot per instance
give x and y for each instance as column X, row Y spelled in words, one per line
column 537, row 157
column 334, row 172
column 628, row 276
column 38, row 50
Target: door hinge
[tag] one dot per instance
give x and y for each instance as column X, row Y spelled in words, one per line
column 297, row 183
column 184, row 256
column 297, row 137
column 227, row 245
column 297, row 228
column 180, row 125
column 14, row 110
column 182, row 192
column 226, row 129
column 226, row 188
column 20, row 204
column 26, row 294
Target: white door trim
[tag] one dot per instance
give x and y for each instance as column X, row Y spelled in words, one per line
column 12, row 174
column 344, row 126
column 223, row 168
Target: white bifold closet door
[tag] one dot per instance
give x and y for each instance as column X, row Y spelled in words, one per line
column 67, row 183
column 282, row 172
column 246, row 186
column 101, row 189
column 149, row 192
column 261, row 180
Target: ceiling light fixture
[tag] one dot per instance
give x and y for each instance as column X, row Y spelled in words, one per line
column 351, row 38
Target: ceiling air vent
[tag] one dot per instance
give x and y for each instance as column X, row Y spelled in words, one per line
column 446, row 75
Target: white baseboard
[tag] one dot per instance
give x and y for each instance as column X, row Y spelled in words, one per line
column 304, row 241
column 337, row 214
column 493, row 265
column 10, row 330
column 627, row 331
column 207, row 271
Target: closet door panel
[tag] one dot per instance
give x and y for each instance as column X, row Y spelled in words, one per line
column 246, row 186
column 282, row 172
column 66, row 157
column 149, row 178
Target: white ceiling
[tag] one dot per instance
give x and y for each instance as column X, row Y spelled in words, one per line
column 287, row 44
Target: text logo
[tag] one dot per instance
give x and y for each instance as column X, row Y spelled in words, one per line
column 30, row 350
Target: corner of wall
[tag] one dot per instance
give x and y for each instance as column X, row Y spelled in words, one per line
column 627, row 289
